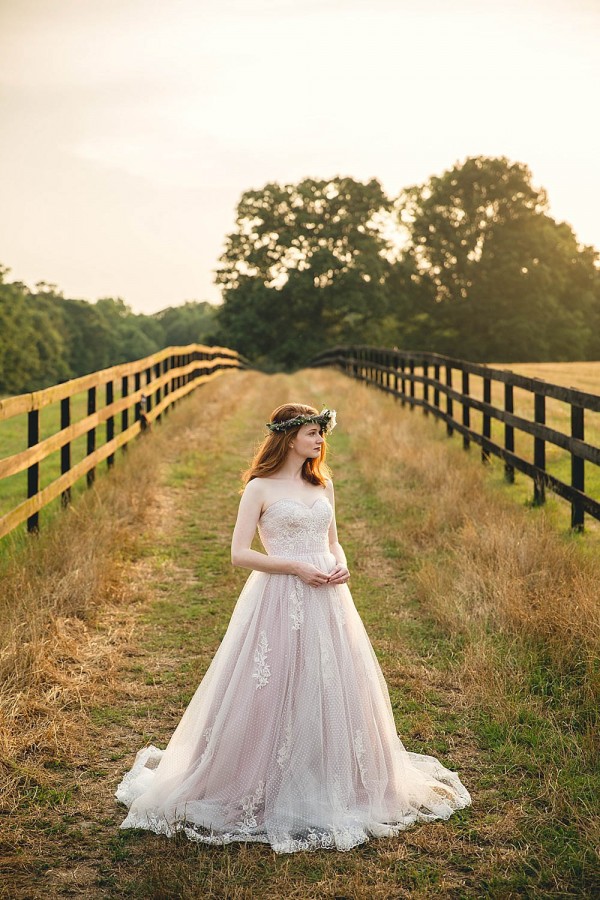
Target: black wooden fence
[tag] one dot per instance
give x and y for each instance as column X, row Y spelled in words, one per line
column 148, row 389
column 427, row 380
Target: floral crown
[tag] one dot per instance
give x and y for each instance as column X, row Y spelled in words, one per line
column 326, row 419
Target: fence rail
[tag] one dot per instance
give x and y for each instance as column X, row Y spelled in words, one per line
column 415, row 377
column 148, row 387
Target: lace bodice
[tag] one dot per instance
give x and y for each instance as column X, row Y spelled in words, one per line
column 291, row 528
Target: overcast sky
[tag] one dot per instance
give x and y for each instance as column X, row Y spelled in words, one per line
column 130, row 128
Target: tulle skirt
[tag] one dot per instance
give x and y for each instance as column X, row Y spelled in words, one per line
column 290, row 738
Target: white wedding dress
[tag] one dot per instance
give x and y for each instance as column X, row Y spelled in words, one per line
column 290, row 737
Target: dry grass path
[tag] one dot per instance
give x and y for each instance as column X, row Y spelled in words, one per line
column 447, row 574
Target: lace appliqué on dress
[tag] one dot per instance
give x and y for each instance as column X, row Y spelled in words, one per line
column 262, row 672
column 297, row 610
column 338, row 607
column 326, row 654
column 208, row 750
column 359, row 752
column 284, row 752
column 250, row 804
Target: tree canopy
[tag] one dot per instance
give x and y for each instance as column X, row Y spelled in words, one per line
column 497, row 277
column 469, row 263
column 305, row 266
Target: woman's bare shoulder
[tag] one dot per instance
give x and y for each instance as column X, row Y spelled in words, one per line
column 254, row 487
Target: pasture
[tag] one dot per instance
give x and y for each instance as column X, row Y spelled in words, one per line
column 483, row 613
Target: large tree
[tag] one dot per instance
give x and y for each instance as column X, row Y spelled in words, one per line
column 453, row 218
column 306, row 267
column 491, row 275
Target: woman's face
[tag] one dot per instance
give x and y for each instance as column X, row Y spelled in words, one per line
column 308, row 441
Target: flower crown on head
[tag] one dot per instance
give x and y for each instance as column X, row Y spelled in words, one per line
column 326, row 419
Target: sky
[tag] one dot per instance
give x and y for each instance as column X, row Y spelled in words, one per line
column 131, row 128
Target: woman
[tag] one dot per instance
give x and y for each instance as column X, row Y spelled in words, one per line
column 290, row 737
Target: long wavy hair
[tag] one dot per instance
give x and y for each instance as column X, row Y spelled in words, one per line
column 273, row 451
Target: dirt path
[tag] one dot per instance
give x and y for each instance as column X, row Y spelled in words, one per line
column 168, row 615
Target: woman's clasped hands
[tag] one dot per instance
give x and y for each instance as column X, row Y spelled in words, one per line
column 315, row 577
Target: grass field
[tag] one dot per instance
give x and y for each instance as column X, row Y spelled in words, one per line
column 13, row 439
column 484, row 616
column 583, row 376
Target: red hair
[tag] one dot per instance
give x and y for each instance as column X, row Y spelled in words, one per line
column 273, row 451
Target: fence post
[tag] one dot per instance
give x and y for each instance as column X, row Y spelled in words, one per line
column 157, row 373
column 577, row 467
column 165, row 369
column 436, row 390
column 509, row 432
column 148, row 398
column 425, row 388
column 402, row 364
column 91, row 435
column 487, row 421
column 466, row 409
column 137, row 383
column 539, row 451
column 124, row 412
column 411, row 368
column 33, row 472
column 449, row 404
column 65, row 450
column 110, row 422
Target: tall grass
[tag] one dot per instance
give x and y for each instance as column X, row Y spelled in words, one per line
column 485, row 563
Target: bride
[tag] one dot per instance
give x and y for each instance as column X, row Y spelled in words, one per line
column 290, row 736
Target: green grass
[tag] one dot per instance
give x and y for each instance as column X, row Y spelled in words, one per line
column 13, row 439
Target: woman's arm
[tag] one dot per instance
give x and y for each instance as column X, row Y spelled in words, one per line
column 340, row 573
column 243, row 535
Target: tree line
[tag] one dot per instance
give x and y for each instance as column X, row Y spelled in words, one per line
column 469, row 264
column 46, row 338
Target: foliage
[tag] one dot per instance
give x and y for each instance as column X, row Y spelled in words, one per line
column 475, row 268
column 305, row 267
column 46, row 337
column 192, row 318
column 499, row 279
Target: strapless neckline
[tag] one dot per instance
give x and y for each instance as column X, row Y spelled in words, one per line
column 298, row 502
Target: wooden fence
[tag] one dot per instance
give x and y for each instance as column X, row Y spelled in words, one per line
column 148, row 388
column 416, row 379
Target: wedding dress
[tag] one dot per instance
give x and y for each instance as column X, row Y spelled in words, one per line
column 290, row 737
